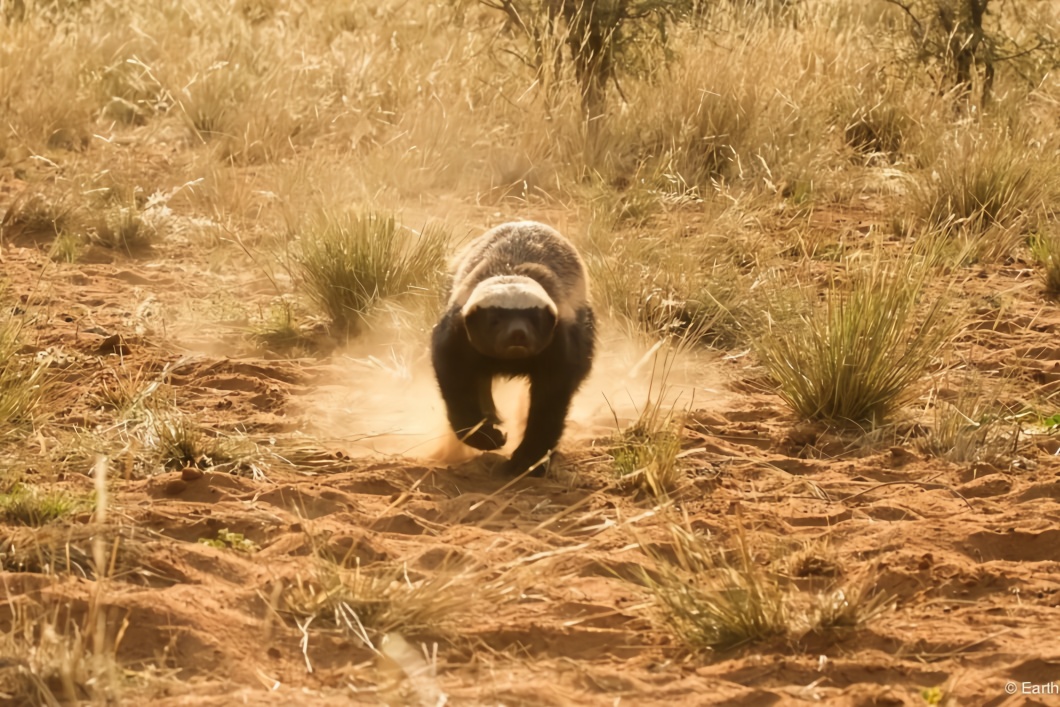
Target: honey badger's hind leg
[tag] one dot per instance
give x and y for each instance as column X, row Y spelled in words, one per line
column 467, row 392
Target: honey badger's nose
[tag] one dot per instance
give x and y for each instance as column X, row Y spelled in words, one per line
column 518, row 335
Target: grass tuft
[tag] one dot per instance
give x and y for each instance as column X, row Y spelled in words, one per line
column 377, row 600
column 646, row 454
column 351, row 261
column 718, row 600
column 181, row 443
column 854, row 358
column 986, row 192
column 971, row 423
column 23, row 381
column 1046, row 250
column 32, row 506
column 36, row 215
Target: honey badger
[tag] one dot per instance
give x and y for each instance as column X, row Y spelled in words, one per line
column 518, row 306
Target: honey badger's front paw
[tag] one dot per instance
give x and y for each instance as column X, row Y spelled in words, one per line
column 485, row 438
column 517, row 466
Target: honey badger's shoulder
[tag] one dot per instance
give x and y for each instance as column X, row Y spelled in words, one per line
column 527, row 249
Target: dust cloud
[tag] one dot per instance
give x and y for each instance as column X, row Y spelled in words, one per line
column 381, row 399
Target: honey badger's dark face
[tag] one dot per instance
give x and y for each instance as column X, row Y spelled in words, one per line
column 510, row 333
column 509, row 318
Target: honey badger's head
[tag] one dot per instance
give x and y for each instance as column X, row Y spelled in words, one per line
column 509, row 317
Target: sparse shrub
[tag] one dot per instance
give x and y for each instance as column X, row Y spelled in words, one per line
column 599, row 34
column 854, row 357
column 968, row 41
column 349, row 262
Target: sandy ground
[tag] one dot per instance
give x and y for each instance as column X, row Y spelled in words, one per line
column 345, row 464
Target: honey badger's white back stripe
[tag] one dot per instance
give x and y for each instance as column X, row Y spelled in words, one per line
column 509, row 292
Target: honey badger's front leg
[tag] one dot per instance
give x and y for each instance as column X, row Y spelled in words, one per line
column 552, row 386
column 550, row 399
column 466, row 389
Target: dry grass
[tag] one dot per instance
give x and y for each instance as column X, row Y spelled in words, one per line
column 647, row 453
column 180, row 442
column 969, row 420
column 986, row 191
column 172, row 131
column 23, row 380
column 370, row 602
column 714, row 598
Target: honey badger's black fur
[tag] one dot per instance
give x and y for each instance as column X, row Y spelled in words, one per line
column 518, row 307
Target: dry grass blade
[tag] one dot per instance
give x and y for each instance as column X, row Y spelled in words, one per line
column 968, row 421
column 855, row 357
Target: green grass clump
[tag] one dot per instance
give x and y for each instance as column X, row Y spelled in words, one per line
column 29, row 505
column 350, row 261
column 227, row 540
column 854, row 357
